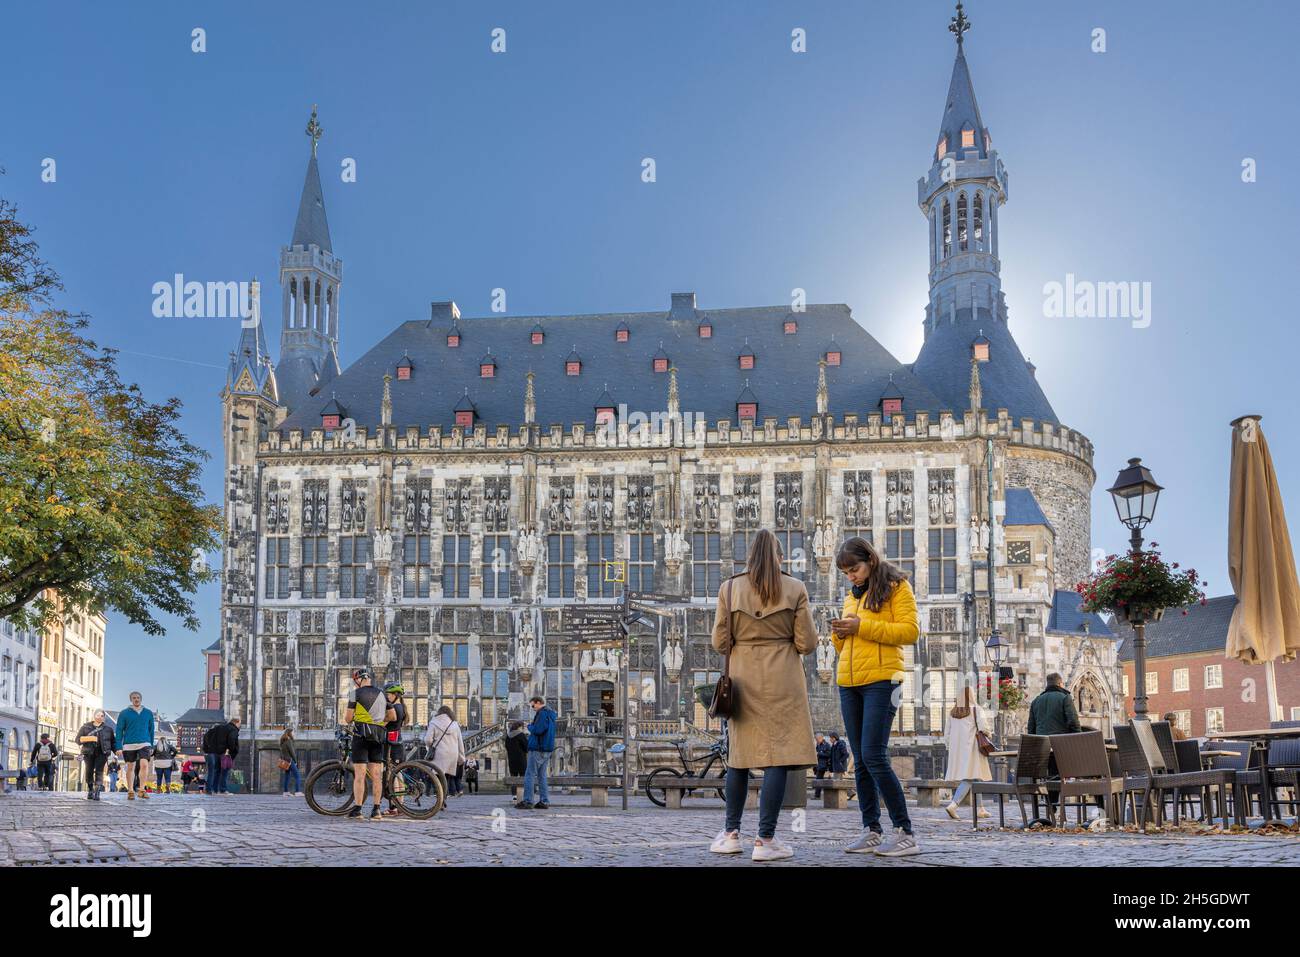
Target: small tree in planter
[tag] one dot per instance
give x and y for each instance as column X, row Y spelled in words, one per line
column 1139, row 586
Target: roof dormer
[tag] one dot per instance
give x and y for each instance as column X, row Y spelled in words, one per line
column 791, row 325
column 746, row 358
column 705, row 328
column 465, row 411
column 538, row 335
column 659, row 362
column 404, row 367
column 622, row 332
column 332, row 416
column 605, row 407
column 747, row 404
column 573, row 363
column 979, row 347
column 891, row 400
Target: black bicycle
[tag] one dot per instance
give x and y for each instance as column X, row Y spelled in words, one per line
column 415, row 787
column 716, row 755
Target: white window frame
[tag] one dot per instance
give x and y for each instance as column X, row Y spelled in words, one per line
column 1181, row 680
column 1153, row 682
column 1217, row 671
column 1210, row 725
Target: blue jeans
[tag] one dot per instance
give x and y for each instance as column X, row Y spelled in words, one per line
column 538, row 762
column 164, row 777
column 112, row 781
column 297, row 778
column 216, row 774
column 769, row 798
column 868, row 712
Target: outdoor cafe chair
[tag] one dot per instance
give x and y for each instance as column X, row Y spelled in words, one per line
column 1085, row 772
column 1030, row 781
column 1152, row 778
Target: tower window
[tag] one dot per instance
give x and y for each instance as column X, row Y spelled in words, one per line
column 979, row 221
column 967, row 138
column 947, row 229
column 942, row 151
column 961, row 222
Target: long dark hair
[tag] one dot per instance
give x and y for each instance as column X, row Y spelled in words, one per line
column 763, row 564
column 882, row 577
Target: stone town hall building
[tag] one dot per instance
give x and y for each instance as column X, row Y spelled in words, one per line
column 433, row 507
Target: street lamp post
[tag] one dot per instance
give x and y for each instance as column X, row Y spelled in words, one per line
column 1135, row 494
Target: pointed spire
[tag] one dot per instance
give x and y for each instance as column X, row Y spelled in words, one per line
column 976, row 392
column 961, row 111
column 530, row 401
column 311, row 227
column 386, row 406
column 823, row 393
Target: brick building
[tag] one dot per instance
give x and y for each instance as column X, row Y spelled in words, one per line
column 1188, row 674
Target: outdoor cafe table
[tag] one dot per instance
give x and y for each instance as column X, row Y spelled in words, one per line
column 1260, row 740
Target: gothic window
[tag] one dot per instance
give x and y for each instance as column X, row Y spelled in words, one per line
column 494, row 688
column 496, row 566
column 979, row 221
column 496, row 503
column 455, row 679
column 900, row 541
column 354, row 553
column 600, row 550
column 559, row 565
column 857, row 505
column 352, row 508
column 967, row 138
column 947, row 229
column 315, row 565
column 706, row 564
column 789, row 522
column 416, row 681
column 746, row 509
column 347, row 656
column 941, row 500
column 277, row 566
column 961, row 222
column 641, row 561
column 455, row 566
column 312, row 712
column 458, row 508
column 416, row 548
column 275, row 663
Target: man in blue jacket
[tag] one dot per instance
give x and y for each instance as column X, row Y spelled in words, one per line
column 541, row 742
column 135, row 734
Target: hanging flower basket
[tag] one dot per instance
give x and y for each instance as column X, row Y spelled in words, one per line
column 1139, row 587
column 1010, row 695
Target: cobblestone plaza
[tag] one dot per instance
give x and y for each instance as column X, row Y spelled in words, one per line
column 268, row 830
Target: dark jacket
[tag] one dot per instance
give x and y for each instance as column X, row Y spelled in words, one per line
column 541, row 731
column 36, row 752
column 287, row 750
column 840, row 756
column 105, row 743
column 1052, row 712
column 222, row 739
column 517, row 752
column 823, row 755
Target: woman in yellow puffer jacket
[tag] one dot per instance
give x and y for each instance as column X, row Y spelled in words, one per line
column 878, row 619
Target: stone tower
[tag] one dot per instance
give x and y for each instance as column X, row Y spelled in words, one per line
column 310, row 276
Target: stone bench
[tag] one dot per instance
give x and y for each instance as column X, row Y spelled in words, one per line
column 928, row 791
column 598, row 785
column 675, row 789
column 835, row 791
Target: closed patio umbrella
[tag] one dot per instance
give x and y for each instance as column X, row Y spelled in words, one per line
column 1265, row 625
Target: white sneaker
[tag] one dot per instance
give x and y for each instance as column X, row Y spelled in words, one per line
column 727, row 842
column 951, row 808
column 865, row 843
column 900, row 845
column 771, row 849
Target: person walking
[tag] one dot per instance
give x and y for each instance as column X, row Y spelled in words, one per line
column 966, row 763
column 471, row 774
column 516, row 745
column 839, row 755
column 43, row 756
column 164, row 761
column 446, row 746
column 823, row 748
column 878, row 620
column 289, row 765
column 97, row 744
column 135, row 737
column 113, row 767
column 541, row 745
column 764, row 626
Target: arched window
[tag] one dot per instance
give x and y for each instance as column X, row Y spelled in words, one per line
column 979, row 221
column 961, row 222
column 947, row 229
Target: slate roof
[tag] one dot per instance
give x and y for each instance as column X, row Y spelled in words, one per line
column 784, row 382
column 960, row 109
column 1204, row 628
column 1066, row 617
column 214, row 647
column 311, row 226
column 202, row 716
column 1023, row 508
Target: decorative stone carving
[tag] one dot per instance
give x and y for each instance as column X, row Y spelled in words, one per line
column 673, row 655
column 598, row 665
column 528, row 549
column 383, row 549
column 825, row 659
column 675, row 548
column 824, row 545
column 525, row 652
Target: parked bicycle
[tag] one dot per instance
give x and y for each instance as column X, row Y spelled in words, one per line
column 416, row 787
column 715, row 756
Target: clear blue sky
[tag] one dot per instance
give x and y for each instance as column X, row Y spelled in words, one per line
column 775, row 170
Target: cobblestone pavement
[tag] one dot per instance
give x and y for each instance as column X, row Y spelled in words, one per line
column 191, row 829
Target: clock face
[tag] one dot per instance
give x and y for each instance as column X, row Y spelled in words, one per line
column 1018, row 553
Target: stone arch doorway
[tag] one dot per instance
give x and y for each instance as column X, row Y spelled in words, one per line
column 1093, row 702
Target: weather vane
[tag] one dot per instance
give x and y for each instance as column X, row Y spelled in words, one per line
column 959, row 25
column 314, row 129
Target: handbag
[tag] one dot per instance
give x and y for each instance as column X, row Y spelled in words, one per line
column 282, row 764
column 982, row 740
column 227, row 762
column 723, row 704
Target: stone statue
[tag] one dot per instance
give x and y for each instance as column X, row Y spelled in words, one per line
column 934, row 503
column 384, row 546
column 949, row 502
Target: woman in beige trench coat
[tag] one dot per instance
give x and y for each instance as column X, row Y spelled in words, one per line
column 764, row 621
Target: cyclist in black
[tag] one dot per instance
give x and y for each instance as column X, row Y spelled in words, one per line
column 393, row 733
column 368, row 712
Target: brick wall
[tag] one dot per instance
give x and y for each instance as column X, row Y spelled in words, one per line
column 1243, row 697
